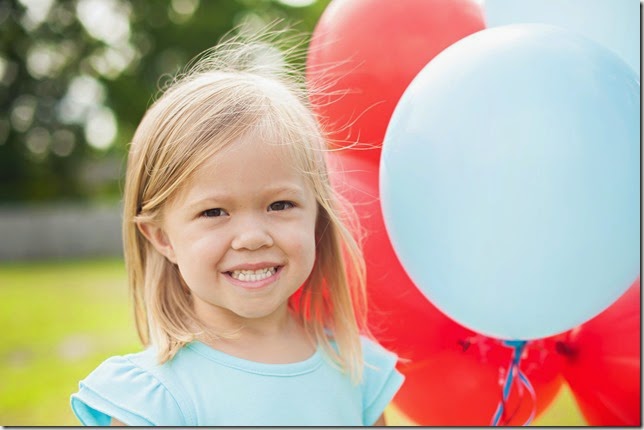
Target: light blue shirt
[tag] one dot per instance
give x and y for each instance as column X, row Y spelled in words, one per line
column 203, row 386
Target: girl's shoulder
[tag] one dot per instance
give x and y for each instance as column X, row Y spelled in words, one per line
column 375, row 354
column 134, row 389
column 376, row 359
column 380, row 378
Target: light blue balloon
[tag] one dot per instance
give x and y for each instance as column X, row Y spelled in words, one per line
column 510, row 180
column 612, row 23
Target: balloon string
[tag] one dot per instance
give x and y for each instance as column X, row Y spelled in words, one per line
column 528, row 386
column 513, row 370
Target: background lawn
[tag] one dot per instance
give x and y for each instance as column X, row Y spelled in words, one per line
column 61, row 319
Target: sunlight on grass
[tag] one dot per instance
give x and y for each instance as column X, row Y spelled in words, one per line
column 60, row 321
column 563, row 411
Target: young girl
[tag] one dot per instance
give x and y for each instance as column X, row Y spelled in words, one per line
column 237, row 262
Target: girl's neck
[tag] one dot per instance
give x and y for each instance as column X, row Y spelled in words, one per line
column 222, row 320
column 275, row 340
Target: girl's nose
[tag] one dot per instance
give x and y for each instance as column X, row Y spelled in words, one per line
column 251, row 235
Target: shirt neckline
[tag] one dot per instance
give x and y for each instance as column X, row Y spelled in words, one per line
column 269, row 369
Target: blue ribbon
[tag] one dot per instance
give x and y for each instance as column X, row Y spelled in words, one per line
column 513, row 368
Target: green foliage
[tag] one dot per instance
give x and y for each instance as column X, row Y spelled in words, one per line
column 71, row 68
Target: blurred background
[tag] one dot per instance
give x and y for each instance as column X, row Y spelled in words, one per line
column 75, row 79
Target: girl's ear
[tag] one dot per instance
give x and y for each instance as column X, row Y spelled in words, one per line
column 158, row 239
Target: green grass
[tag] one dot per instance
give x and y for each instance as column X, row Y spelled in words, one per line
column 60, row 320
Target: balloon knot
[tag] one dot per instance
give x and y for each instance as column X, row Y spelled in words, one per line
column 516, row 344
column 465, row 344
column 565, row 349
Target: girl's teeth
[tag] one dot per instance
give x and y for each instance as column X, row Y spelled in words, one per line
column 253, row 275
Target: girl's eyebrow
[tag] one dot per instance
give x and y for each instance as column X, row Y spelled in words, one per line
column 284, row 189
column 291, row 190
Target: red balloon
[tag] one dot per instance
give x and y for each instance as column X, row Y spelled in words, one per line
column 452, row 374
column 366, row 52
column 463, row 387
column 400, row 316
column 602, row 363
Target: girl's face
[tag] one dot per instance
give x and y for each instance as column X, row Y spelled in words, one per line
column 242, row 233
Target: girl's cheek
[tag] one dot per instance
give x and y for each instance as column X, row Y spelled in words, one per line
column 208, row 244
column 301, row 236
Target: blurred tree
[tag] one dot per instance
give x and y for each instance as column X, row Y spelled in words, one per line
column 77, row 75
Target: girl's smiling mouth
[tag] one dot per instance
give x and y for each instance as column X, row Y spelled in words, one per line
column 254, row 278
column 253, row 275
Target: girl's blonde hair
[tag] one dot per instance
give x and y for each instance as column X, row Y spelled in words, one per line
column 240, row 87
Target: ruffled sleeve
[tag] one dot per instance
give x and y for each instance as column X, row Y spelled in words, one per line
column 381, row 380
column 121, row 389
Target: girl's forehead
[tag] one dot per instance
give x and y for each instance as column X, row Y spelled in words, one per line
column 247, row 147
column 246, row 166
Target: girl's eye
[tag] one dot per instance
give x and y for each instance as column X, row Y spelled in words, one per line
column 213, row 213
column 280, row 206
